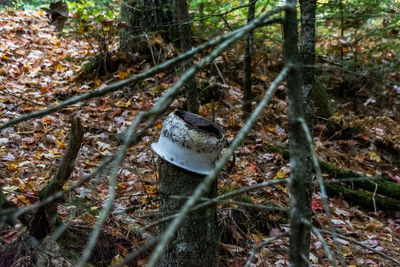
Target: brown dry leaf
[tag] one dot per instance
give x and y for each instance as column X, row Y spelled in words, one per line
column 360, row 158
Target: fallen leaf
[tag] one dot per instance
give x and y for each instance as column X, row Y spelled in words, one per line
column 281, row 174
column 360, row 158
column 346, row 251
column 374, row 157
column 316, row 205
column 116, row 260
column 122, row 75
column 9, row 157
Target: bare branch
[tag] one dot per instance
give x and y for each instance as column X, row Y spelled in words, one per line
column 16, row 212
column 135, row 78
column 324, row 196
column 383, row 255
column 217, row 200
column 328, row 251
column 203, row 187
column 151, row 115
column 262, row 244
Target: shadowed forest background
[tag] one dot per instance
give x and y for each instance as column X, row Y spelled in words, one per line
column 310, row 174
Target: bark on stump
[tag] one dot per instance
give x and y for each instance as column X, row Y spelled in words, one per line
column 196, row 240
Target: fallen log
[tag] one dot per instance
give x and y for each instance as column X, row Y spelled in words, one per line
column 363, row 198
column 384, row 186
column 387, row 194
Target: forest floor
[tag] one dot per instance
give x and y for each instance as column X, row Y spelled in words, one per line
column 39, row 68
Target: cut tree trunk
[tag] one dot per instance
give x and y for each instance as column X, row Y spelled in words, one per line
column 196, row 240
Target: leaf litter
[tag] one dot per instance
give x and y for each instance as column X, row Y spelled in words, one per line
column 36, row 71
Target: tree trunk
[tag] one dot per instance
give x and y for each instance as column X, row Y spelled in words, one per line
column 323, row 105
column 196, row 241
column 247, row 93
column 341, row 32
column 185, row 38
column 307, row 54
column 201, row 18
column 143, row 16
column 300, row 183
column 6, row 3
column 128, row 34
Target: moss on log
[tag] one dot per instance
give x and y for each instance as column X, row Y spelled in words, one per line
column 386, row 187
column 276, row 149
column 363, row 198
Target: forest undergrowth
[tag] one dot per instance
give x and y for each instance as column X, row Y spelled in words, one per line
column 39, row 68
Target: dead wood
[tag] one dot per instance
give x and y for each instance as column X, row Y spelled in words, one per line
column 46, row 219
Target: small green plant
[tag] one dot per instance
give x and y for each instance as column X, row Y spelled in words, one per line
column 28, row 5
column 81, row 206
column 242, row 197
column 95, row 22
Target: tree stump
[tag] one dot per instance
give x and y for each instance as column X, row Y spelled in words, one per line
column 196, row 241
column 188, row 147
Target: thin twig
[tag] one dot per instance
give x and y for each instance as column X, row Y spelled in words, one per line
column 133, row 255
column 141, row 182
column 132, row 134
column 219, row 72
column 208, row 180
column 373, row 197
column 383, row 255
column 263, row 244
column 238, row 203
column 328, row 251
column 353, row 179
column 22, row 98
column 324, row 196
column 135, row 78
column 217, row 200
column 19, row 193
column 15, row 213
